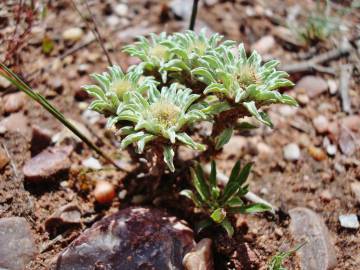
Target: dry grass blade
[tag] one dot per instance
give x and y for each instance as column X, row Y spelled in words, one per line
column 21, row 85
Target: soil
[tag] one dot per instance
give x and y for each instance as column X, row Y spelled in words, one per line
column 318, row 185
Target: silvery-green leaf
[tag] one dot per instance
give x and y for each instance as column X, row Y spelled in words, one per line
column 169, row 157
column 223, row 138
column 218, row 215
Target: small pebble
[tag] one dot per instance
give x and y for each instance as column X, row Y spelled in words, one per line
column 291, row 152
column 264, row 44
column 14, row 102
column 303, row 99
column 104, row 192
column 313, row 85
column 122, row 194
column 331, row 149
column 355, row 189
column 4, row 83
column 287, row 111
column 333, row 88
column 121, row 10
column 92, row 163
column 321, row 124
column 349, row 221
column 317, row 153
column 73, row 34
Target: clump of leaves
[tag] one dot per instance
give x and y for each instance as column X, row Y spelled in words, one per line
column 277, row 261
column 319, row 25
column 219, row 203
column 182, row 80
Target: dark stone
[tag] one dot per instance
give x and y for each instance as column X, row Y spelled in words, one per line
column 41, row 138
column 133, row 238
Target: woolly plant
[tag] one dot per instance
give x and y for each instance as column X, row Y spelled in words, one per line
column 183, row 80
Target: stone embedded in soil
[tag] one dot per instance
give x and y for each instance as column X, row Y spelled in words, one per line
column 317, row 153
column 318, row 253
column 133, row 238
column 17, row 246
column 291, row 152
column 349, row 221
column 4, row 160
column 333, row 87
column 92, row 163
column 321, row 124
column 65, row 216
column 347, row 142
column 264, row 44
column 48, row 164
column 121, row 10
column 14, row 102
column 355, row 189
column 73, row 34
column 41, row 138
column 16, row 122
column 313, row 85
column 200, row 257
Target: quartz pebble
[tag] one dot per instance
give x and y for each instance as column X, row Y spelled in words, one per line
column 291, row 152
column 14, row 102
column 319, row 252
column 73, row 34
column 92, row 163
column 321, row 124
column 349, row 221
column 133, row 238
column 4, row 83
column 121, row 10
column 333, row 88
column 17, row 245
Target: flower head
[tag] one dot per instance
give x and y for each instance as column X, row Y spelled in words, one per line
column 113, row 85
column 243, row 80
column 162, row 116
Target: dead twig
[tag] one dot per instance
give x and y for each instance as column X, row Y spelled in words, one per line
column 223, row 179
column 314, row 63
column 94, row 30
column 15, row 170
column 345, row 75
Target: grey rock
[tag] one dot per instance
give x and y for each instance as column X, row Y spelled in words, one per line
column 92, row 163
column 347, row 142
column 121, row 10
column 318, row 253
column 291, row 152
column 41, row 138
column 200, row 257
column 264, row 44
column 133, row 238
column 48, row 164
column 349, row 221
column 17, row 246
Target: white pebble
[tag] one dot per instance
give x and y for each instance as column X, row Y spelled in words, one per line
column 291, row 152
column 122, row 194
column 331, row 149
column 121, row 10
column 349, row 221
column 73, row 34
column 92, row 163
column 321, row 124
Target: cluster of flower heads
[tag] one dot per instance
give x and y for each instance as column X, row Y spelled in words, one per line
column 154, row 103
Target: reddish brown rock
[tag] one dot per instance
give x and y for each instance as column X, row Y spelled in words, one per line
column 47, row 164
column 41, row 138
column 200, row 257
column 133, row 238
column 17, row 246
column 312, row 85
column 318, row 253
column 4, row 160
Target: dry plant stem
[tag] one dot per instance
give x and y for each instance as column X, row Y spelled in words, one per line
column 313, row 63
column 11, row 160
column 223, row 179
column 345, row 75
column 94, row 29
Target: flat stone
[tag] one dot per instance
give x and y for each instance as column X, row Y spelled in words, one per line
column 14, row 102
column 355, row 189
column 200, row 257
column 133, row 238
column 347, row 142
column 48, row 164
column 291, row 152
column 349, row 221
column 312, row 85
column 16, row 122
column 17, row 245
column 264, row 44
column 318, row 253
column 65, row 216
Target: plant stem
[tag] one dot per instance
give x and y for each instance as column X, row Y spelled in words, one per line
column 21, row 85
column 193, row 15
